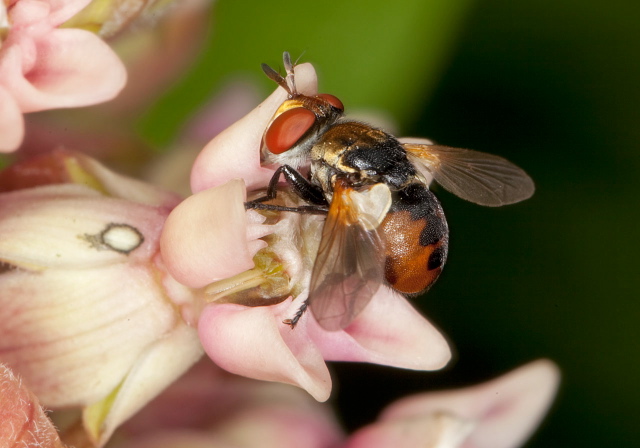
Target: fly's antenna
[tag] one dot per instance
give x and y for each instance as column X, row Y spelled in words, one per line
column 288, row 66
column 275, row 76
column 288, row 83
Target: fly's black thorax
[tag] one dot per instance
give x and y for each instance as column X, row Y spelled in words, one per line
column 369, row 154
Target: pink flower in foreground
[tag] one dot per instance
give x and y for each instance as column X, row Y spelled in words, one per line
column 46, row 67
column 209, row 408
column 199, row 246
column 89, row 317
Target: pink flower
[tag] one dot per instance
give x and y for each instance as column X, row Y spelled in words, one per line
column 89, row 317
column 43, row 66
column 501, row 413
column 209, row 408
column 200, row 243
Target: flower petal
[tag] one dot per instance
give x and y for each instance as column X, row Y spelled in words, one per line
column 22, row 421
column 253, row 342
column 506, row 410
column 276, row 424
column 11, row 123
column 71, row 68
column 24, row 14
column 61, row 166
column 221, row 409
column 389, row 331
column 235, row 152
column 150, row 374
column 205, row 237
column 73, row 335
column 66, row 226
column 61, row 10
column 119, row 186
column 178, row 439
column 431, row 430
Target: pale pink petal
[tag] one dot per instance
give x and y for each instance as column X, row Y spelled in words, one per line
column 198, row 389
column 178, row 439
column 235, row 152
column 254, row 342
column 74, row 334
column 4, row 19
column 210, row 405
column 22, row 421
column 205, row 237
column 143, row 383
column 274, row 425
column 11, row 124
column 61, row 166
column 52, row 12
column 124, row 187
column 63, row 10
column 26, row 13
column 70, row 68
column 66, row 225
column 167, row 49
column 506, row 410
column 389, row 331
column 429, row 431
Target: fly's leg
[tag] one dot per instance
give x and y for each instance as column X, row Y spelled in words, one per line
column 300, row 186
column 305, row 209
column 296, row 317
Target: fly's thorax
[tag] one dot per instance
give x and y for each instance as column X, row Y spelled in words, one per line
column 354, row 147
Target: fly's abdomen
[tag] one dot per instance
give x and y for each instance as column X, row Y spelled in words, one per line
column 416, row 239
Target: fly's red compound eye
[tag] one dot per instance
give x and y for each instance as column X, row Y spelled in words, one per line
column 333, row 100
column 287, row 129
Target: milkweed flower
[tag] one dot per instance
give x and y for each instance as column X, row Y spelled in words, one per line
column 44, row 66
column 157, row 43
column 89, row 317
column 501, row 413
column 252, row 340
column 226, row 410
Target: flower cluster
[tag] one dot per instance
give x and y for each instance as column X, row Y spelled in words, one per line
column 45, row 66
column 112, row 288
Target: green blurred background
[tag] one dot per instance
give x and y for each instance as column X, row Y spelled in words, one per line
column 552, row 86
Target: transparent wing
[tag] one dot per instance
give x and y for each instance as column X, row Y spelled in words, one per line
column 349, row 267
column 472, row 175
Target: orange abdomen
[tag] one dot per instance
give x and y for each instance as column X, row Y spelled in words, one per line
column 416, row 240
